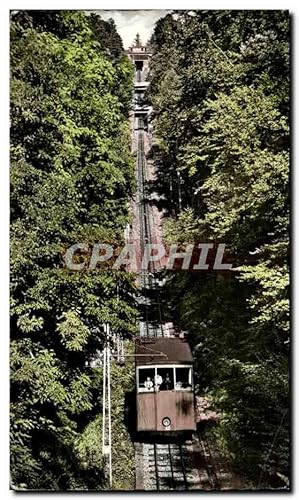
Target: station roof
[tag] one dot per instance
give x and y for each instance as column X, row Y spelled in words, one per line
column 175, row 350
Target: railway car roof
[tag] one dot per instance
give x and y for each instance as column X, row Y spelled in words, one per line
column 174, row 349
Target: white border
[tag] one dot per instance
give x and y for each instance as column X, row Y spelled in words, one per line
column 151, row 5
column 4, row 94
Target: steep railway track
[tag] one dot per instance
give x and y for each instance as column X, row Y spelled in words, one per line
column 172, row 465
column 168, row 466
column 185, row 466
column 159, row 466
column 151, row 327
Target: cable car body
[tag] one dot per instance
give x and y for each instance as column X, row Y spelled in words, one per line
column 164, row 385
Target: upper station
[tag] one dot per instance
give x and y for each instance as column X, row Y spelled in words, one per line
column 140, row 56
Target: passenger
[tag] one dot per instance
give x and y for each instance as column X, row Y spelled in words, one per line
column 167, row 382
column 158, row 381
column 148, row 384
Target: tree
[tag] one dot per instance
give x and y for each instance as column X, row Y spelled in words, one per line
column 137, row 41
column 71, row 179
column 221, row 121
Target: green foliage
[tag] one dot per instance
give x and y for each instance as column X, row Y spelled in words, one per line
column 184, row 229
column 73, row 332
column 221, row 121
column 71, row 178
column 88, row 444
column 122, row 387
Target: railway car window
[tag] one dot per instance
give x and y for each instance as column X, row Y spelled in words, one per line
column 146, row 379
column 183, row 378
column 166, row 375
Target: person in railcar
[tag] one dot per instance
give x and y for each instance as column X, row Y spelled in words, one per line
column 158, row 381
column 167, row 382
column 148, row 384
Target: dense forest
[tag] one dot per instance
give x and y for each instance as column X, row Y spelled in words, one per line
column 71, row 179
column 219, row 90
column 220, row 94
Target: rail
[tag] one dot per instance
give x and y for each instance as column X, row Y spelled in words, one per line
column 149, row 280
column 186, row 465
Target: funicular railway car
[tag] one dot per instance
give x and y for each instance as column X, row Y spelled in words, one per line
column 164, row 385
